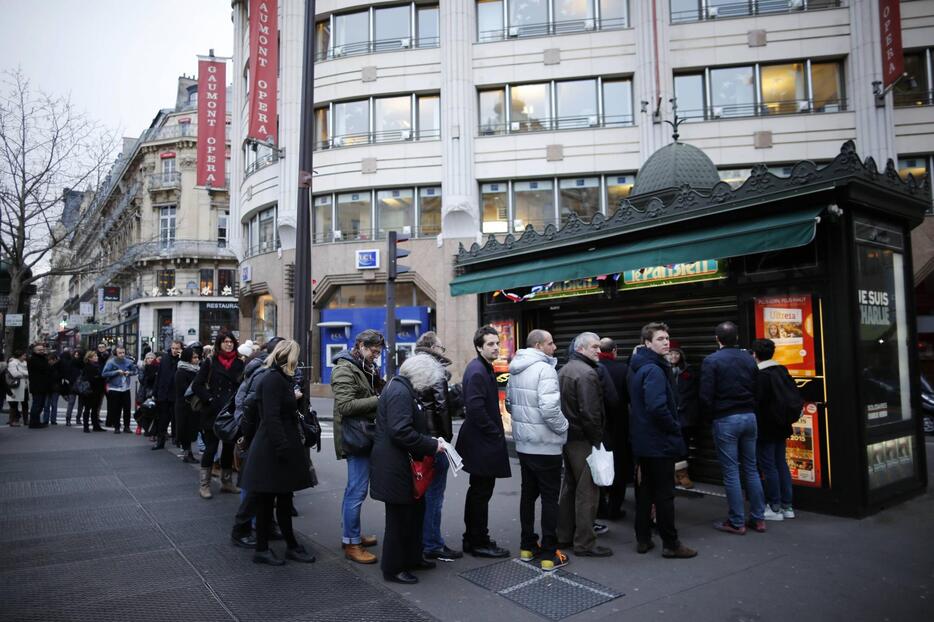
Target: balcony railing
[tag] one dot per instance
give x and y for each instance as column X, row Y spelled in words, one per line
column 165, row 181
column 707, row 10
column 914, row 98
column 592, row 121
column 362, row 235
column 387, row 136
column 360, row 48
column 118, row 210
column 766, row 109
column 260, row 248
column 546, row 29
column 260, row 163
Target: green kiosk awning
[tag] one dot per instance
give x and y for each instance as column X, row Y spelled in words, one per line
column 771, row 233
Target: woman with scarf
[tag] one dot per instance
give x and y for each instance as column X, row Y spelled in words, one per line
column 216, row 385
column 187, row 423
column 684, row 378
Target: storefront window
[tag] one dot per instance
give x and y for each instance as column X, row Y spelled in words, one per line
column 580, row 197
column 264, row 319
column 217, row 317
column 495, row 205
column 534, row 204
column 354, row 216
column 492, row 112
column 395, row 211
column 393, row 118
column 323, row 217
column 617, row 103
column 618, row 188
column 732, row 91
column 429, row 211
column 529, row 107
column 577, row 104
column 783, row 88
column 374, row 295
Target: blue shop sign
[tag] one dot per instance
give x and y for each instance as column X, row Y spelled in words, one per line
column 368, row 259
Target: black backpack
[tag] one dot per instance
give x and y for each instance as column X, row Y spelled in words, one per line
column 786, row 402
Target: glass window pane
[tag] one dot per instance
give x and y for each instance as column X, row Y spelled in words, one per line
column 225, row 280
column 728, row 8
column 685, row 10
column 689, row 91
column 613, row 14
column 428, row 28
column 492, row 112
column 322, row 219
column 571, row 15
column 322, row 39
column 580, row 197
column 351, row 123
column 827, row 87
column 735, row 176
column 429, row 211
column 495, row 206
column 429, row 116
column 352, row 33
column 577, row 104
column 617, row 103
column 916, row 167
column 913, row 91
column 354, row 217
column 322, row 138
column 528, row 18
column 392, row 28
column 393, row 118
column 206, row 285
column 732, row 92
column 395, row 211
column 267, row 230
column 618, row 188
column 489, row 20
column 530, row 108
column 783, row 88
column 534, row 204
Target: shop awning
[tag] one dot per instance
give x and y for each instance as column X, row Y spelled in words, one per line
column 771, row 233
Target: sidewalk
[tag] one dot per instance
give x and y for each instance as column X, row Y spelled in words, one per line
column 97, row 526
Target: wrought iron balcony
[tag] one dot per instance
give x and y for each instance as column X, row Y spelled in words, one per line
column 165, row 181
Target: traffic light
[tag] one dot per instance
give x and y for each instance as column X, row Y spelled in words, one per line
column 395, row 253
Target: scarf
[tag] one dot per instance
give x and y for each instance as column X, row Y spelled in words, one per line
column 226, row 358
column 188, row 366
column 607, row 356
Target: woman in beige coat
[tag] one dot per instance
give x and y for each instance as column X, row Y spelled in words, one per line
column 16, row 370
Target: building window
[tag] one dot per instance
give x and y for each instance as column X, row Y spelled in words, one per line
column 348, row 34
column 577, row 104
column 827, row 87
column 580, row 197
column 732, row 92
column 494, row 201
column 167, row 226
column 226, row 279
column 392, row 119
column 351, row 123
column 428, row 34
column 354, row 216
column 492, row 112
column 264, row 319
column 617, row 103
column 533, row 204
column 323, row 218
column 529, row 108
column 392, row 28
column 429, row 211
column 322, row 39
column 916, row 89
column 618, row 188
column 916, row 166
column 168, row 167
column 699, row 10
column 536, row 18
column 206, row 286
column 322, row 128
column 267, row 230
column 351, row 34
column 257, row 156
column 783, row 88
column 222, row 220
column 429, row 117
column 165, row 280
column 395, row 211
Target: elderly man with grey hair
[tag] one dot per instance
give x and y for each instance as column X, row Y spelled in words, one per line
column 582, row 405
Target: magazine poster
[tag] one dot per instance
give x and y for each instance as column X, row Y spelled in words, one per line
column 789, row 322
column 802, row 450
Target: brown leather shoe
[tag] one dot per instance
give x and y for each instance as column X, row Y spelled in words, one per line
column 368, row 541
column 356, row 553
column 682, row 479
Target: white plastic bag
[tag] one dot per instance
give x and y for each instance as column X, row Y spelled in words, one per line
column 601, row 466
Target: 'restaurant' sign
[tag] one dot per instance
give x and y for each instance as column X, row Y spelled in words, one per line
column 212, row 117
column 890, row 25
column 264, row 64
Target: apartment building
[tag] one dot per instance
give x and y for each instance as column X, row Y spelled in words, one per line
column 452, row 121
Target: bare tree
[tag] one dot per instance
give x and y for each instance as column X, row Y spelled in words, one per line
column 46, row 147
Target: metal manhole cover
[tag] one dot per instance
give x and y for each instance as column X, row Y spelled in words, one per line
column 553, row 595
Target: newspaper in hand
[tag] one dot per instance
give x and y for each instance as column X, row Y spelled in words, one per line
column 454, row 458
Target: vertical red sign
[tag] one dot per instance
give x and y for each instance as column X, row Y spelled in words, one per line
column 890, row 26
column 212, row 119
column 264, row 70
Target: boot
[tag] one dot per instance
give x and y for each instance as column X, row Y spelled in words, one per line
column 356, row 553
column 160, row 443
column 205, row 488
column 682, row 479
column 227, row 484
column 189, row 458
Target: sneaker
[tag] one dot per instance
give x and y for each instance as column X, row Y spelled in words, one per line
column 788, row 513
column 728, row 527
column 553, row 563
column 530, row 554
column 444, row 554
column 679, row 552
column 772, row 515
column 600, row 529
column 756, row 524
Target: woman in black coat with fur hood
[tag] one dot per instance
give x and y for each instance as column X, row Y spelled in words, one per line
column 401, row 432
column 216, row 385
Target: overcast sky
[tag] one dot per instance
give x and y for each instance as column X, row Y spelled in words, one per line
column 118, row 59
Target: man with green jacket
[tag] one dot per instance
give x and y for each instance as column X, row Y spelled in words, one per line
column 356, row 384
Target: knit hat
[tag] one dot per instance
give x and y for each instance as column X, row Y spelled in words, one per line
column 246, row 348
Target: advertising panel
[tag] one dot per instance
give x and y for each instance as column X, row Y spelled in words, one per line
column 654, row 276
column 212, row 120
column 789, row 322
column 890, row 26
column 890, row 461
column 507, row 349
column 802, row 449
column 264, row 69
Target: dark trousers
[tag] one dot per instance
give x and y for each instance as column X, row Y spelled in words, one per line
column 577, row 507
column 612, row 497
column 243, row 521
column 210, row 448
column 477, row 510
column 264, row 506
column 655, row 484
column 541, row 476
column 402, row 540
column 35, row 412
column 165, row 413
column 89, row 409
column 118, row 402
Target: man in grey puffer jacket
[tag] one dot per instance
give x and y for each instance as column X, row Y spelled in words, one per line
column 540, row 432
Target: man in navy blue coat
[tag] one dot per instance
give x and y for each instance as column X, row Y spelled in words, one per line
column 657, row 443
column 482, row 444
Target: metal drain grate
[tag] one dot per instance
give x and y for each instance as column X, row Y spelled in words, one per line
column 553, row 595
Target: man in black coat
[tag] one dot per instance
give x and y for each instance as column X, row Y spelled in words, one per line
column 165, row 392
column 71, row 371
column 482, row 444
column 40, row 384
column 617, row 432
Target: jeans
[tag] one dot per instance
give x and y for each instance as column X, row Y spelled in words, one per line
column 358, row 481
column 71, row 399
column 51, row 409
column 735, row 440
column 246, row 514
column 541, row 476
column 655, row 485
column 777, row 476
column 434, row 498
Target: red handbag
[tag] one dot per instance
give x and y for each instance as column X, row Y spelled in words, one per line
column 423, row 471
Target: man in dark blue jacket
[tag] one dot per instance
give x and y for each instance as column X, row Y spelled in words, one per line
column 165, row 392
column 728, row 396
column 655, row 433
